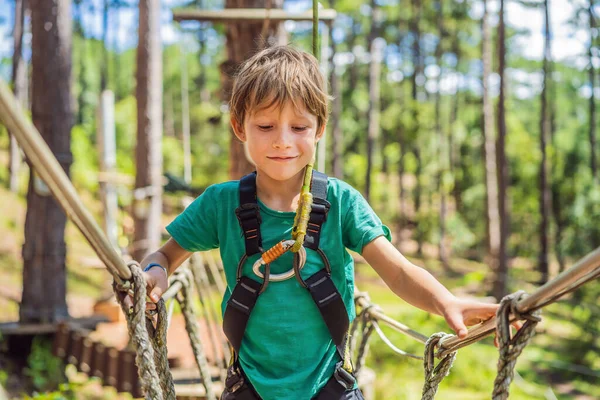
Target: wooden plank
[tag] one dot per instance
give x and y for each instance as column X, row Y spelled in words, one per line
column 17, row 328
column 249, row 14
column 111, row 367
column 75, row 346
column 98, row 360
column 60, row 345
column 85, row 360
column 127, row 371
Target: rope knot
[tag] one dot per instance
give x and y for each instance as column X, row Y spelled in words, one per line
column 366, row 312
column 514, row 299
column 435, row 374
column 127, row 286
column 362, row 295
column 511, row 347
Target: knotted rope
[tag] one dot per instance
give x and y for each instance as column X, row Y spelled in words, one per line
column 191, row 325
column 358, row 296
column 153, row 368
column 511, row 348
column 435, row 374
column 367, row 329
column 354, row 326
column 203, row 289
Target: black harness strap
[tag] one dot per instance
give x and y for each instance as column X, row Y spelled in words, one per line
column 330, row 304
column 237, row 312
column 319, row 210
column 248, row 214
column 320, row 285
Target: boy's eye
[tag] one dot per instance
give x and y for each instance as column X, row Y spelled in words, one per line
column 299, row 128
column 265, row 127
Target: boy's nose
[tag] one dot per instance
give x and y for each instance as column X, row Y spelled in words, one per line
column 282, row 138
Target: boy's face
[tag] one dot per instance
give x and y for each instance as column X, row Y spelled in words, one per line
column 281, row 140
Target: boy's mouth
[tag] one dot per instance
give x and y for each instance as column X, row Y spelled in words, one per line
column 281, row 158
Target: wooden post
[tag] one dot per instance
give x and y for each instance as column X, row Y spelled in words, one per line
column 147, row 205
column 98, row 360
column 107, row 149
column 185, row 120
column 74, row 353
column 111, row 367
column 60, row 345
column 85, row 361
column 127, row 371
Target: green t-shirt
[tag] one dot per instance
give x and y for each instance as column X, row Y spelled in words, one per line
column 287, row 351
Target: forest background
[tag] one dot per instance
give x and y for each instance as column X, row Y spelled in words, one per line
column 426, row 123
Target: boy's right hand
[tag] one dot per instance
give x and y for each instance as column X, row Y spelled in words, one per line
column 156, row 284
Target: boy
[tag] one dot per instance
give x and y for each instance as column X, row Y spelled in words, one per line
column 286, row 338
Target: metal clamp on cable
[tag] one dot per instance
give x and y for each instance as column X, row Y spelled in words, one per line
column 343, row 377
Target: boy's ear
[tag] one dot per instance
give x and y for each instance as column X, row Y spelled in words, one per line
column 238, row 129
column 320, row 132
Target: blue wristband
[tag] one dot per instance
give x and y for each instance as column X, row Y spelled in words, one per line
column 152, row 265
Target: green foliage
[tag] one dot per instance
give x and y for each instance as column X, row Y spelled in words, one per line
column 126, row 128
column 44, row 369
column 84, row 170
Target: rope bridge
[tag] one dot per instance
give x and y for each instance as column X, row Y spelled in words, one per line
column 150, row 338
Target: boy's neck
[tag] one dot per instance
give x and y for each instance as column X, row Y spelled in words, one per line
column 279, row 195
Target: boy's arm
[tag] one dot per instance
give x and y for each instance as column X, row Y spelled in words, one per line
column 419, row 288
column 170, row 256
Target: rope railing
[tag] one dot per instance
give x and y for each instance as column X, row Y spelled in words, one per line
column 584, row 270
column 48, row 168
column 378, row 315
column 184, row 276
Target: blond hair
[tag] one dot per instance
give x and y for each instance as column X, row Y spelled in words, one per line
column 276, row 75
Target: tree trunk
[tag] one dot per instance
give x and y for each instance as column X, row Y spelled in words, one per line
column 337, row 138
column 555, row 184
column 592, row 74
column 243, row 40
column 442, row 251
column 545, row 208
column 81, row 76
column 147, row 205
column 19, row 79
column 374, row 94
column 418, row 70
column 491, row 177
column 44, row 250
column 452, row 150
column 501, row 280
column 104, row 64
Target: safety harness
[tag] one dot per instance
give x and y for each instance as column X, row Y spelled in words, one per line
column 320, row 286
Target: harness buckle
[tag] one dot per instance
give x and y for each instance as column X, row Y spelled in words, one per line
column 343, row 377
column 248, row 211
column 234, row 380
column 321, row 207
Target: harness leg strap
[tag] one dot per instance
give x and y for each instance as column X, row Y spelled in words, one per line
column 330, row 304
column 239, row 307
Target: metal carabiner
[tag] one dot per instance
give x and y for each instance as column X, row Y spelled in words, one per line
column 286, row 246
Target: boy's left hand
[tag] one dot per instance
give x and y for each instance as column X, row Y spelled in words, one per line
column 460, row 313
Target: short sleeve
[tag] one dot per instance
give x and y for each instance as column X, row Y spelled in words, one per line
column 360, row 223
column 195, row 229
